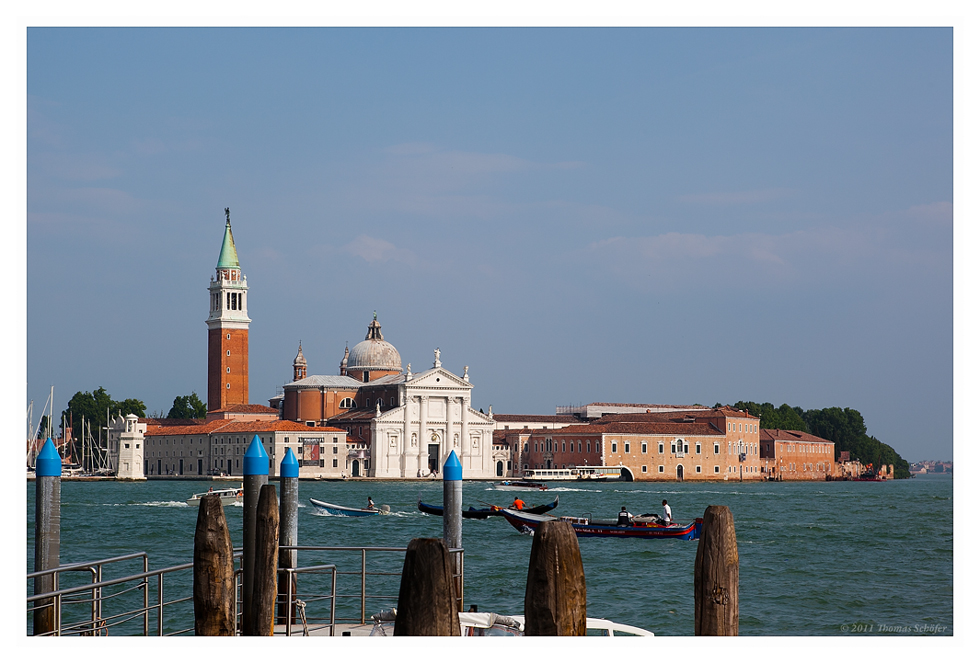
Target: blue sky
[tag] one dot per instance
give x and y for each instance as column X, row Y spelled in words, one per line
column 639, row 215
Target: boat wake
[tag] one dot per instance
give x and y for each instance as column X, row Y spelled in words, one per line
column 167, row 503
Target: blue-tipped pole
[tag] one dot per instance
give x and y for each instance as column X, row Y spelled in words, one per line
column 47, row 529
column 288, row 507
column 255, row 474
column 452, row 513
column 288, row 533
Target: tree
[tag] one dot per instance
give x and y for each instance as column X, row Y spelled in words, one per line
column 784, row 417
column 94, row 405
column 188, row 407
column 842, row 426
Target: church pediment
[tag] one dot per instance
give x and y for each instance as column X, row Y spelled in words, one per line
column 436, row 378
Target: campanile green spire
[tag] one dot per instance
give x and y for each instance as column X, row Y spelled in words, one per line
column 228, row 258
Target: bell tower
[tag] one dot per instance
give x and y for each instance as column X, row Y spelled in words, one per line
column 228, row 329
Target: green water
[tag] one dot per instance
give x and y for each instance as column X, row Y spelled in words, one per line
column 815, row 558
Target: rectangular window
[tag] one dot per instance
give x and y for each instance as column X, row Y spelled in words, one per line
column 643, row 447
column 660, row 447
column 697, row 448
column 614, row 447
column 717, row 450
column 717, row 470
column 660, row 468
column 626, row 447
column 643, row 469
column 673, row 447
column 685, row 447
column 697, row 469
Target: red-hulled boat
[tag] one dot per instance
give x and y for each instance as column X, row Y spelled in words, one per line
column 584, row 527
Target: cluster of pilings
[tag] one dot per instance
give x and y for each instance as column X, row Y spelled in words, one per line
column 429, row 598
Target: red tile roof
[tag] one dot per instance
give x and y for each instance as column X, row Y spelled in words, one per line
column 781, row 435
column 697, row 415
column 231, row 426
column 634, row 428
column 556, row 418
column 249, row 408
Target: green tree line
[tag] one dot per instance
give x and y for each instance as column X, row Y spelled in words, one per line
column 93, row 407
column 842, row 426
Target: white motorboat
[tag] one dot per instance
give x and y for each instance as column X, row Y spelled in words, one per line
column 228, row 496
column 490, row 623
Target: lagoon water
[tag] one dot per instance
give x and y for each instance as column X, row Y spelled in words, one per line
column 834, row 558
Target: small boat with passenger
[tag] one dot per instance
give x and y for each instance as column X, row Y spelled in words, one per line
column 228, row 495
column 641, row 527
column 520, row 485
column 482, row 514
column 337, row 510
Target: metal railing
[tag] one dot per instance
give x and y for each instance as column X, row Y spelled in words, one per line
column 80, row 609
column 99, row 591
column 354, row 595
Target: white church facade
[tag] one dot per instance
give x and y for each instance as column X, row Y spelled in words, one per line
column 433, row 418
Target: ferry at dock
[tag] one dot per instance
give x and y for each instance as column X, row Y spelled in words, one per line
column 578, row 473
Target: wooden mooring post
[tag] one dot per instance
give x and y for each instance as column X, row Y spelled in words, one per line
column 214, row 571
column 263, row 609
column 554, row 599
column 716, row 575
column 427, row 597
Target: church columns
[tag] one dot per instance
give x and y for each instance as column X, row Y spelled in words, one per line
column 450, row 403
column 423, row 438
column 464, row 432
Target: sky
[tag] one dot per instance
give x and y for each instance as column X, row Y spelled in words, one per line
column 648, row 215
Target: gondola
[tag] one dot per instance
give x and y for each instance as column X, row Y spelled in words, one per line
column 471, row 512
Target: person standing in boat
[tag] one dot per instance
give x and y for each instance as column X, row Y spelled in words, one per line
column 667, row 517
column 518, row 504
column 624, row 516
column 370, row 503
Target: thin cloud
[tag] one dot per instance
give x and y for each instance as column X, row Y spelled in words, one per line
column 737, row 197
column 376, row 250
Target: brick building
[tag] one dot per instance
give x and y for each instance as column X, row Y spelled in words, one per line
column 701, row 444
column 792, row 455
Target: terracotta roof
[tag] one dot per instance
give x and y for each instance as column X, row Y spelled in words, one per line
column 634, row 428
column 557, row 418
column 329, row 381
column 650, row 405
column 230, row 427
column 151, row 421
column 781, row 435
column 675, row 416
column 363, row 414
column 250, row 408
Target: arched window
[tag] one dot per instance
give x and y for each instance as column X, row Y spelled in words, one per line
column 347, row 403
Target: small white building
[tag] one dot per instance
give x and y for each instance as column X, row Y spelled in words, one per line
column 127, row 446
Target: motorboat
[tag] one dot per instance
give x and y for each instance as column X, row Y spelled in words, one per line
column 644, row 528
column 491, row 624
column 337, row 510
column 228, row 495
column 520, row 485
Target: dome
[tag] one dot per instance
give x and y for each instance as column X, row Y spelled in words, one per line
column 374, row 353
